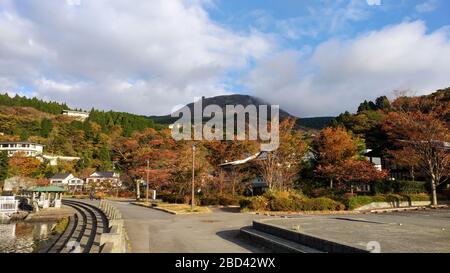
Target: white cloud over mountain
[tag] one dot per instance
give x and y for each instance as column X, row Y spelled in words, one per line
column 342, row 73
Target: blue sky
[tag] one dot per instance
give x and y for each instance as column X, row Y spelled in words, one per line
column 313, row 58
column 298, row 24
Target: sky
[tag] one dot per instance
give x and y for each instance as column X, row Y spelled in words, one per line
column 313, row 58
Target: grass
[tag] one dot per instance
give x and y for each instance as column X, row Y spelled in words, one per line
column 61, row 226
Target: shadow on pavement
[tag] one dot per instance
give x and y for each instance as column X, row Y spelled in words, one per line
column 230, row 209
column 234, row 237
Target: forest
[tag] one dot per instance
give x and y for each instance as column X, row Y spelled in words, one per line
column 311, row 170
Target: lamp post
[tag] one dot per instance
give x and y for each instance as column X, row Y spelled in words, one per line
column 146, row 194
column 193, row 178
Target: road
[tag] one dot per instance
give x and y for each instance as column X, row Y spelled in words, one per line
column 153, row 231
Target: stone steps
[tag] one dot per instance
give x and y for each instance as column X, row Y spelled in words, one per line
column 274, row 243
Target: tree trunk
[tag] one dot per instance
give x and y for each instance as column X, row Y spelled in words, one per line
column 433, row 192
column 331, row 183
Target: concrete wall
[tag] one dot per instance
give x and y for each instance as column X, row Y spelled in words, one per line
column 389, row 205
column 116, row 240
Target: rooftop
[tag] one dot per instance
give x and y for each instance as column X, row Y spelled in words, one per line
column 61, row 176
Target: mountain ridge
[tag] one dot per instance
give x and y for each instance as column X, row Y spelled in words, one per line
column 245, row 100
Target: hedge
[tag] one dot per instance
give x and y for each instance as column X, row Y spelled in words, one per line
column 399, row 187
column 289, row 201
column 359, row 201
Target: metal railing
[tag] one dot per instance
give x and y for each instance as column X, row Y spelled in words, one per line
column 8, row 204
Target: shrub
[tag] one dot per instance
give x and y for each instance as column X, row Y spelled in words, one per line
column 223, row 200
column 256, row 203
column 171, row 198
column 321, row 192
column 321, row 203
column 411, row 187
column 399, row 187
column 281, row 203
column 419, row 197
column 359, row 201
column 289, row 201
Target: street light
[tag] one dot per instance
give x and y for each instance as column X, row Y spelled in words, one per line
column 146, row 194
column 193, row 178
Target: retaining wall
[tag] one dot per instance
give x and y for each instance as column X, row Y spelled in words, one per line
column 116, row 240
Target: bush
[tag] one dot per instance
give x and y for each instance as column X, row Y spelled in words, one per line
column 282, row 203
column 399, row 187
column 289, row 201
column 222, row 200
column 411, row 187
column 321, row 203
column 359, row 201
column 257, row 203
column 171, row 198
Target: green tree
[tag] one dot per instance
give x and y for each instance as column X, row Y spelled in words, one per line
column 46, row 127
column 4, row 167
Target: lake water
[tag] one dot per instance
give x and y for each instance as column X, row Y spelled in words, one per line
column 21, row 237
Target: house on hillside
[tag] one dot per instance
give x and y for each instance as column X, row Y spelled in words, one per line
column 36, row 150
column 77, row 115
column 257, row 185
column 104, row 180
column 68, row 181
column 26, row 148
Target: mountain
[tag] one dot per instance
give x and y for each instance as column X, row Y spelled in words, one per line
column 245, row 100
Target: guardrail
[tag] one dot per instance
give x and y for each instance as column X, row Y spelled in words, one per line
column 116, row 240
column 8, row 204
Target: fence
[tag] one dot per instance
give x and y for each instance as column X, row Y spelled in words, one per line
column 8, row 204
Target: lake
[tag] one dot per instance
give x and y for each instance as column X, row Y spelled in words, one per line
column 23, row 237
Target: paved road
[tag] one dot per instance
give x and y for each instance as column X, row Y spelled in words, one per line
column 412, row 231
column 151, row 230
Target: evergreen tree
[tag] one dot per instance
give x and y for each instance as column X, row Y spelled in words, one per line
column 46, row 127
column 382, row 103
column 4, row 166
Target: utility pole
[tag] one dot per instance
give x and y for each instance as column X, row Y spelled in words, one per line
column 193, row 178
column 148, row 166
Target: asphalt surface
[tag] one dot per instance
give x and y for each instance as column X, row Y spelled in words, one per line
column 152, row 231
column 425, row 231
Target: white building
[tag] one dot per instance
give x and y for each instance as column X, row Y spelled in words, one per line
column 78, row 115
column 53, row 159
column 27, row 148
column 67, row 180
column 103, row 180
column 30, row 149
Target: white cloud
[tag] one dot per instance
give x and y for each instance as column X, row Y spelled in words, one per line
column 342, row 73
column 143, row 57
column 427, row 6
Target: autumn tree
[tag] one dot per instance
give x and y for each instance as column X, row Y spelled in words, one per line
column 157, row 147
column 348, row 172
column 425, row 134
column 20, row 165
column 222, row 151
column 331, row 147
column 406, row 157
column 280, row 168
